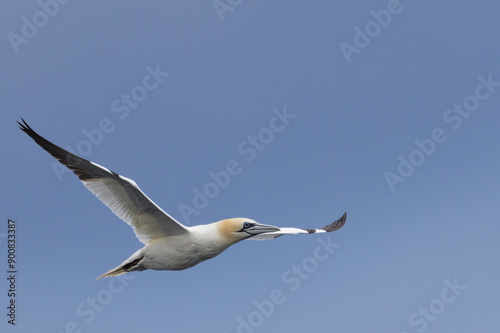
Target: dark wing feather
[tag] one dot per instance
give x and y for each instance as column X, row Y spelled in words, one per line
column 120, row 194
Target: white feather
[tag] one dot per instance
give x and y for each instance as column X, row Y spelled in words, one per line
column 130, row 204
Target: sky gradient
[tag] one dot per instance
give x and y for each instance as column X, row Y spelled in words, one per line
column 286, row 113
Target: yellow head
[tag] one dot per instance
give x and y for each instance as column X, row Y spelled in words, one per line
column 237, row 229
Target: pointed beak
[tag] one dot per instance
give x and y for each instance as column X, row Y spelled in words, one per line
column 261, row 228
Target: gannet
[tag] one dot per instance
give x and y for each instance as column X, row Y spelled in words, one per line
column 168, row 245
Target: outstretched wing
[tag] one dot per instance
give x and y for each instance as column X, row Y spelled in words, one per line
column 120, row 194
column 294, row 231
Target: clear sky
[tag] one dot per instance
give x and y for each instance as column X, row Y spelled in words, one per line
column 387, row 110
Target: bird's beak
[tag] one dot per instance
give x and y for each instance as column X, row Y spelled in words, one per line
column 261, row 228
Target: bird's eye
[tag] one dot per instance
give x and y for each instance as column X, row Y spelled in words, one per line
column 247, row 225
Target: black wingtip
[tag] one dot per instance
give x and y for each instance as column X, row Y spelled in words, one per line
column 32, row 134
column 21, row 126
column 25, row 127
column 337, row 224
column 78, row 165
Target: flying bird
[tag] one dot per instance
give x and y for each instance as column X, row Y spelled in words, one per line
column 168, row 245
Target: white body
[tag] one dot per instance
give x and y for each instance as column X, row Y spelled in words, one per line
column 180, row 252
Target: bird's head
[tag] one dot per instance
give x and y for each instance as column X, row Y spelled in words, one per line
column 238, row 229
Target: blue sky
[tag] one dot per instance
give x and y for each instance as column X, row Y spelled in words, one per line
column 387, row 110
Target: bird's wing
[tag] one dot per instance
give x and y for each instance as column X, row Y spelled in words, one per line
column 294, row 231
column 120, row 194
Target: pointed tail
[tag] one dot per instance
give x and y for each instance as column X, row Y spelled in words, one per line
column 122, row 269
column 114, row 272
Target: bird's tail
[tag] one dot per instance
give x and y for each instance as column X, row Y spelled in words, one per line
column 123, row 268
column 114, row 272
